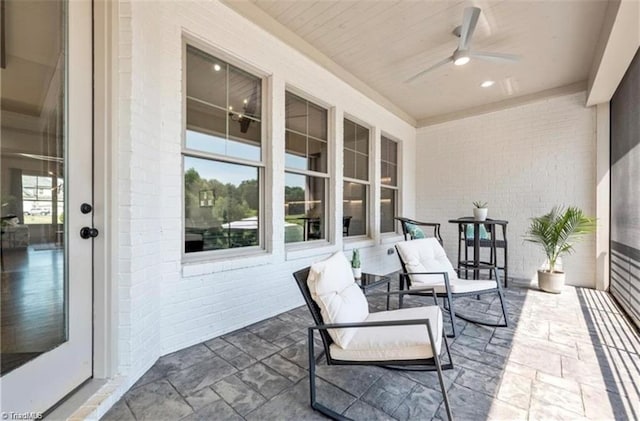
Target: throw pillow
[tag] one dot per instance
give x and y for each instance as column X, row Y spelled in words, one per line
column 414, row 231
column 484, row 235
column 333, row 288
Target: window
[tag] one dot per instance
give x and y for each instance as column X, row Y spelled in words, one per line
column 389, row 182
column 222, row 155
column 42, row 199
column 306, row 152
column 356, row 179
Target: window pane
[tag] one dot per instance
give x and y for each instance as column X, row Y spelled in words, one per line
column 244, row 93
column 387, row 210
column 206, row 77
column 388, row 150
column 317, row 155
column 296, row 113
column 295, row 150
column 349, row 135
column 29, row 181
column 204, row 118
column 221, row 205
column 384, row 149
column 304, row 209
column 246, row 134
column 354, row 209
column 356, row 165
column 205, row 142
column 362, row 140
column 393, row 152
column 388, row 174
column 349, row 163
column 317, row 122
column 362, row 167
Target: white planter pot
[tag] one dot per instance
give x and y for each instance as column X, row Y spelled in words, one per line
column 480, row 214
column 357, row 273
column 551, row 281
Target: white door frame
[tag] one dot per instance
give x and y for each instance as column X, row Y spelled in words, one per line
column 106, row 31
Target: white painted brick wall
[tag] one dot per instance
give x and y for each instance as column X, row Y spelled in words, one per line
column 165, row 305
column 523, row 161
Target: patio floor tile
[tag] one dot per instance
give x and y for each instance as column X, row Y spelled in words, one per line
column 218, row 410
column 264, row 380
column 157, row 400
column 238, row 394
column 570, row 356
column 201, row 375
column 202, row 398
column 388, row 392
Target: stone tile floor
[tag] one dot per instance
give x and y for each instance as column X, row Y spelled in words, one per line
column 569, row 356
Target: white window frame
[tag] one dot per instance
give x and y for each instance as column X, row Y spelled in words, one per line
column 309, row 173
column 367, row 183
column 238, row 252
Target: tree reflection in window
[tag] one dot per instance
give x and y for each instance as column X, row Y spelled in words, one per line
column 221, row 205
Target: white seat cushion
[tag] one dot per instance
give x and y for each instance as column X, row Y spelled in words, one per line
column 393, row 343
column 427, row 255
column 334, row 290
column 458, row 286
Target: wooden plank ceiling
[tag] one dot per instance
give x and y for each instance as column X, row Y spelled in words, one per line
column 383, row 43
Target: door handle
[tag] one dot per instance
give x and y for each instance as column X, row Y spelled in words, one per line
column 88, row 232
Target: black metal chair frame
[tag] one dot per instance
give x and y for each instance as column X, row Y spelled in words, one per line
column 448, row 296
column 429, row 364
column 492, row 243
column 346, row 223
column 407, row 234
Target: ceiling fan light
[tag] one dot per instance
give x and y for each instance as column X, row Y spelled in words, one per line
column 487, row 83
column 462, row 60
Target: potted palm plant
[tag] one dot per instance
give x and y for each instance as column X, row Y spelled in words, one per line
column 556, row 232
column 355, row 264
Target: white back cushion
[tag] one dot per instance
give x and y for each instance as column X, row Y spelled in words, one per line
column 340, row 300
column 425, row 255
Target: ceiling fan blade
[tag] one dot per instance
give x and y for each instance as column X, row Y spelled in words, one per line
column 469, row 21
column 494, row 56
column 424, row 72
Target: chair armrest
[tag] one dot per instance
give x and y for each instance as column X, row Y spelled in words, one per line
column 425, row 224
column 400, row 292
column 424, row 273
column 408, row 322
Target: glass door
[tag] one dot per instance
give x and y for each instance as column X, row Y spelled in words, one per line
column 45, row 176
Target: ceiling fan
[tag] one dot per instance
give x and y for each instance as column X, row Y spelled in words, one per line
column 463, row 54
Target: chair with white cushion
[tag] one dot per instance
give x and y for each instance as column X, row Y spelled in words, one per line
column 425, row 265
column 409, row 338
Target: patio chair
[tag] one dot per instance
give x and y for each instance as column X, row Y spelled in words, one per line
column 425, row 265
column 399, row 339
column 412, row 229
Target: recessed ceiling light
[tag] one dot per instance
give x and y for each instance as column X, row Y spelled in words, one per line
column 216, row 67
column 487, row 83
